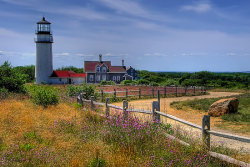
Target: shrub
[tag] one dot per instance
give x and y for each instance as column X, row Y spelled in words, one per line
column 128, row 82
column 11, row 79
column 42, row 95
column 142, row 82
column 87, row 90
column 45, row 97
column 28, row 70
column 153, row 84
column 96, row 162
column 107, row 83
column 3, row 93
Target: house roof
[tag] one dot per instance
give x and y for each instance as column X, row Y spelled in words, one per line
column 117, row 69
column 67, row 74
column 89, row 66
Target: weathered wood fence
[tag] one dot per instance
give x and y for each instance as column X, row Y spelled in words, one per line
column 156, row 116
column 152, row 91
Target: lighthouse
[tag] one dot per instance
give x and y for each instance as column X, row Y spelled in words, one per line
column 44, row 63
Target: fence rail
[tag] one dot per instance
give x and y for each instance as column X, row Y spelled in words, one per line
column 151, row 91
column 156, row 114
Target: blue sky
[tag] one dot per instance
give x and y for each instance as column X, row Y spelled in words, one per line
column 155, row 35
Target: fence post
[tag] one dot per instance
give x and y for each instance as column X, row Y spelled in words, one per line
column 79, row 99
column 205, row 134
column 107, row 107
column 102, row 94
column 155, row 107
column 194, row 90
column 125, row 107
column 176, row 91
column 139, row 93
column 92, row 102
column 114, row 93
column 126, row 93
column 153, row 92
column 158, row 96
column 165, row 91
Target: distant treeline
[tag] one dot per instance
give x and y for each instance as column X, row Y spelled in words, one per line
column 204, row 78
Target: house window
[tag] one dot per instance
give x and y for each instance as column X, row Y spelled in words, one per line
column 118, row 78
column 114, row 78
column 60, row 79
column 98, row 69
column 104, row 69
column 104, row 77
column 98, row 77
column 91, row 77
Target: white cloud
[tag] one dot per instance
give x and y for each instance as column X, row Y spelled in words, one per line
column 199, row 7
column 8, row 33
column 20, row 3
column 125, row 6
column 156, row 54
column 80, row 12
column 62, row 54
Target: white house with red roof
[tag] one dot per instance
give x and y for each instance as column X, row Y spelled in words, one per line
column 97, row 71
column 67, row 77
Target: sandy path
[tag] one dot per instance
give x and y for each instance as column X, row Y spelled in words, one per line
column 191, row 116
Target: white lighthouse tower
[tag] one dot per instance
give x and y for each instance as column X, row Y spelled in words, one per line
column 44, row 63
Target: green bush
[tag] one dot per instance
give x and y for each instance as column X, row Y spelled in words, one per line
column 11, row 79
column 153, row 84
column 28, row 70
column 107, row 82
column 3, row 93
column 142, row 82
column 45, row 97
column 42, row 95
column 87, row 90
column 128, row 82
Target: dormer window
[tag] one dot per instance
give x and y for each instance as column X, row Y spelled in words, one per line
column 98, row 69
column 104, row 69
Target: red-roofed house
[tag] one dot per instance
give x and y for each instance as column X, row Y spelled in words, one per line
column 96, row 71
column 67, row 77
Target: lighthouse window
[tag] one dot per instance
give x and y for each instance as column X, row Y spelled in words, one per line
column 43, row 27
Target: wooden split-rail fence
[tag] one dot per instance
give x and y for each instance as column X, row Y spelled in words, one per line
column 152, row 91
column 156, row 116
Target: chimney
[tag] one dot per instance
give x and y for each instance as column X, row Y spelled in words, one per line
column 123, row 63
column 100, row 57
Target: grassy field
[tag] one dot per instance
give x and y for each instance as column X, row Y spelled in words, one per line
column 241, row 119
column 68, row 135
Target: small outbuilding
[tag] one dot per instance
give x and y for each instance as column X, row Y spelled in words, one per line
column 67, row 77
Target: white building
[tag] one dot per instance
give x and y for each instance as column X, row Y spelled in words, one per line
column 67, row 77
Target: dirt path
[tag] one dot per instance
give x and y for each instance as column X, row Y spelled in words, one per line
column 192, row 116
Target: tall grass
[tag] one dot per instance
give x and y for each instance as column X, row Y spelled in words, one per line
column 66, row 136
